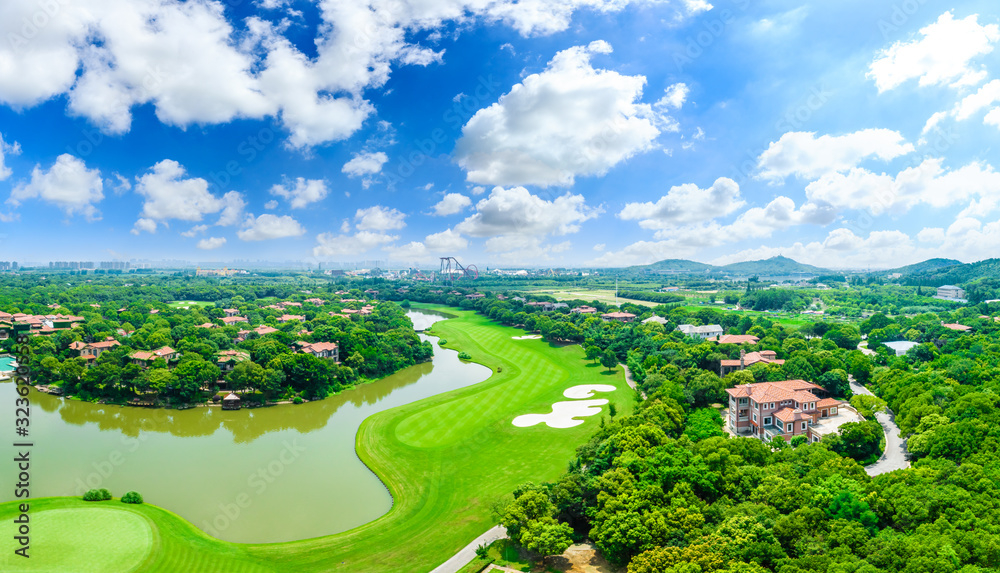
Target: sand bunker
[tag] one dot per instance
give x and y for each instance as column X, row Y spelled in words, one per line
column 562, row 414
column 587, row 390
column 527, row 337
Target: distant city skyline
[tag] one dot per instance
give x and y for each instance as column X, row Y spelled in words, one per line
column 570, row 133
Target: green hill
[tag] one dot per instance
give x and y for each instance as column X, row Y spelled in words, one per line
column 677, row 266
column 775, row 266
column 930, row 265
column 956, row 274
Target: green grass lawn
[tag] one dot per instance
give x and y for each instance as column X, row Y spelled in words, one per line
column 445, row 460
column 180, row 303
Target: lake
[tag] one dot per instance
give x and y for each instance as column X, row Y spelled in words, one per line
column 251, row 476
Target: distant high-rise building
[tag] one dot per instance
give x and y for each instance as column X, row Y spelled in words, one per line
column 74, row 265
column 8, row 266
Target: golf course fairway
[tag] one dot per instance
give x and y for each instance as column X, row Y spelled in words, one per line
column 444, row 459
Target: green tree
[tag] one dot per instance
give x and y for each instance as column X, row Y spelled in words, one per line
column 609, row 360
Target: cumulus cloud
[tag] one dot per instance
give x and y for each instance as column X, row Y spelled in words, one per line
column 365, row 164
column 144, row 225
column 330, row 245
column 268, row 227
column 841, row 249
column 928, row 183
column 272, row 204
column 411, row 251
column 193, row 66
column 674, row 96
column 446, row 242
column 509, row 213
column 170, row 196
column 567, row 121
column 195, row 231
column 685, row 204
column 68, row 184
column 807, row 156
column 301, row 192
column 211, row 243
column 379, row 218
column 943, row 55
column 5, row 150
column 452, row 203
column 232, row 210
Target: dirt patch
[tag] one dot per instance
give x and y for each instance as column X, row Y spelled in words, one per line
column 580, row 558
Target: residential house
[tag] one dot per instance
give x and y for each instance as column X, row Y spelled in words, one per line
column 655, row 319
column 290, row 317
column 231, row 311
column 475, row 295
column 260, row 330
column 143, row 358
column 787, row 409
column 226, row 360
column 92, row 350
column 316, row 301
column 230, row 320
column 702, row 332
column 737, row 339
column 320, row 349
column 618, row 316
column 748, row 359
column 583, row 310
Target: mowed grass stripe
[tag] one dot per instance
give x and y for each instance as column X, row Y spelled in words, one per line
column 442, row 493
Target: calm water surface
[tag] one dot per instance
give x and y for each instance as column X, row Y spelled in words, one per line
column 265, row 475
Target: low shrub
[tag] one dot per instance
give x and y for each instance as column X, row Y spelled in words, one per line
column 297, row 400
column 97, row 495
column 132, row 497
column 464, row 356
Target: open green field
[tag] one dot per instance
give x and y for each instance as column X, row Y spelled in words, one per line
column 189, row 303
column 445, row 460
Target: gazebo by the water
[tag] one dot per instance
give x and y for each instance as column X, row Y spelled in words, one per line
column 231, row 402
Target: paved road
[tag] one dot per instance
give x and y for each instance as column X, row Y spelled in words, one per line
column 894, row 457
column 468, row 553
column 630, row 381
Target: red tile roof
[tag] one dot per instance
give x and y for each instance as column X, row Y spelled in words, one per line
column 738, row 339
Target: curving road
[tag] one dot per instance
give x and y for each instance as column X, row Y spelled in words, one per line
column 894, row 456
column 468, row 553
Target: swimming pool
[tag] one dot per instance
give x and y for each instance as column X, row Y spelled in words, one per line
column 7, row 364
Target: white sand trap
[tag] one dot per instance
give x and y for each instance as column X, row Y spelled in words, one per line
column 562, row 414
column 527, row 337
column 587, row 390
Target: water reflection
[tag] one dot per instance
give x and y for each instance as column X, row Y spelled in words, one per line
column 191, row 461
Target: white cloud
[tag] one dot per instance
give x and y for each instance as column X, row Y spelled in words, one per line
column 195, row 231
column 408, row 252
column 685, row 204
column 446, row 241
column 943, row 55
column 170, row 196
column 211, row 243
column 928, row 183
column 194, row 66
column 379, row 218
column 451, row 203
column 511, row 212
column 144, row 225
column 841, row 249
column 303, row 192
column 567, row 121
column 269, row 226
column 987, row 95
column 5, row 150
column 478, row 190
column 270, row 205
column 68, row 184
column 365, row 164
column 807, row 156
column 641, row 253
column 232, row 211
column 674, row 96
column 330, row 245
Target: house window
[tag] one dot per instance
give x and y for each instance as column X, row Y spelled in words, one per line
column 804, row 426
column 833, row 411
column 812, row 405
column 788, row 427
column 767, row 421
column 743, row 401
column 755, row 416
column 815, row 439
column 772, row 405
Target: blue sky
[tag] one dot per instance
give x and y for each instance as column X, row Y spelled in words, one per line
column 559, row 133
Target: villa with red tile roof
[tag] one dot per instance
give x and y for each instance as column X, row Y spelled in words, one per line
column 229, row 320
column 787, row 409
column 143, row 358
column 957, row 327
column 320, row 349
column 619, row 316
column 316, row 301
column 226, row 360
column 290, row 317
column 583, row 310
column 737, row 339
column 260, row 330
column 231, row 311
column 748, row 359
column 92, row 350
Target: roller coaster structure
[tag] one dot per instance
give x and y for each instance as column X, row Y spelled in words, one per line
column 451, row 267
